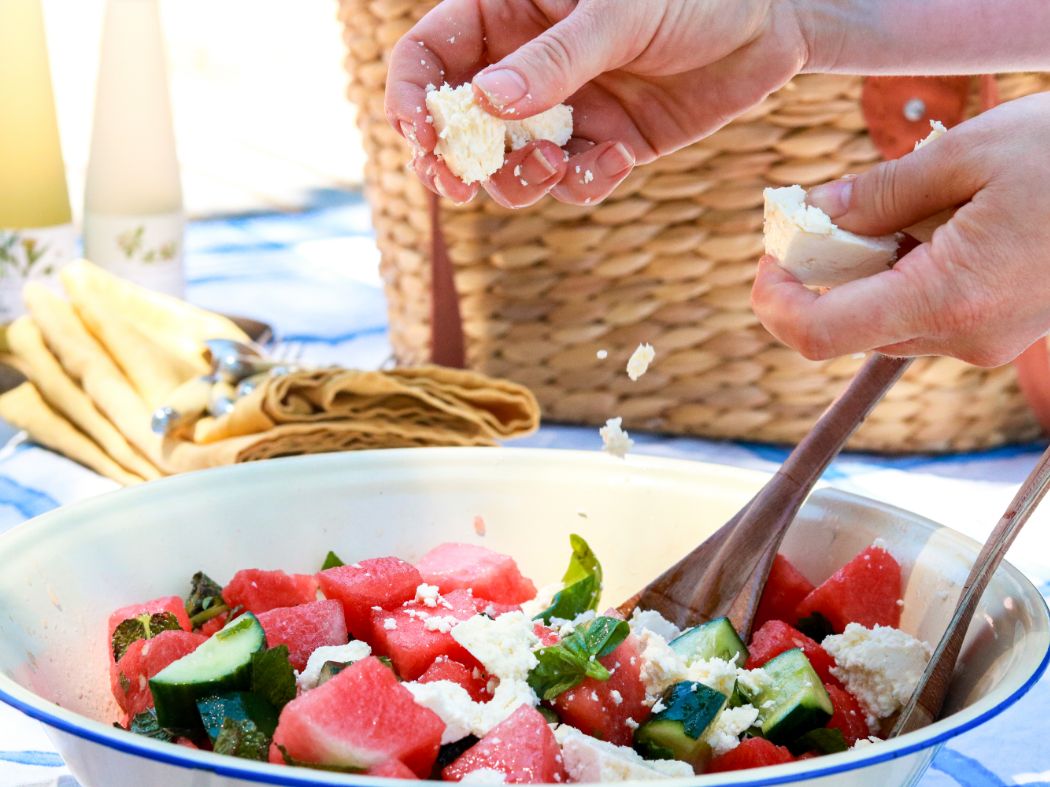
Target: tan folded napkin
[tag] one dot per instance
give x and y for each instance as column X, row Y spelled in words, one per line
column 24, row 408
column 112, row 353
column 68, row 399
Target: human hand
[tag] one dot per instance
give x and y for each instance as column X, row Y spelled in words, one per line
column 978, row 291
column 644, row 78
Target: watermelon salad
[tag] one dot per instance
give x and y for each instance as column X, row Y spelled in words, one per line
column 456, row 668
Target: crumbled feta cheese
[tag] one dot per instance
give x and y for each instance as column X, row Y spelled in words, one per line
column 753, row 681
column 807, row 243
column 554, row 125
column 862, row 742
column 616, row 697
column 724, row 733
column 588, row 176
column 389, row 624
column 602, row 354
column 651, row 620
column 504, row 645
column 442, row 623
column 427, row 594
column 463, row 716
column 484, row 775
column 937, row 131
column 341, row 654
column 588, row 759
column 544, row 598
column 470, row 140
column 662, row 667
column 614, row 439
column 638, row 363
column 880, row 666
column 659, row 706
column 566, row 627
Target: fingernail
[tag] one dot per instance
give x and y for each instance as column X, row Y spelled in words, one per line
column 615, row 160
column 441, row 189
column 538, row 166
column 832, row 198
column 501, row 87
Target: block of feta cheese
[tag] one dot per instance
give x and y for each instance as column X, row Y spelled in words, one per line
column 470, row 140
column 808, row 245
column 880, row 666
column 472, row 143
column 554, row 125
column 588, row 759
column 938, row 131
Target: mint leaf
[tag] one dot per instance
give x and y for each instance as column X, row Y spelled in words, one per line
column 564, row 666
column 823, row 739
column 290, row 760
column 331, row 561
column 145, row 626
column 582, row 584
column 205, row 594
column 145, row 723
column 273, row 678
column 241, row 738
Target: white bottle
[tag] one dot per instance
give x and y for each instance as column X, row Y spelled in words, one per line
column 36, row 225
column 134, row 225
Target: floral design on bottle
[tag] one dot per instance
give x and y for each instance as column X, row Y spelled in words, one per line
column 19, row 255
column 132, row 245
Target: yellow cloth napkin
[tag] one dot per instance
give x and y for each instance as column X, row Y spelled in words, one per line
column 101, row 362
column 25, row 409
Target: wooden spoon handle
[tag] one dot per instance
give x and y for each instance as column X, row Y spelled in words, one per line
column 926, row 703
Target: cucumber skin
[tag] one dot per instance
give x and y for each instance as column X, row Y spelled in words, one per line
column 806, row 712
column 668, row 734
column 702, row 642
column 662, row 739
column 176, row 703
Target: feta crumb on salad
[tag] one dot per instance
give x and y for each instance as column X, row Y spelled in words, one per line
column 724, row 733
column 340, row 654
column 588, row 759
column 503, row 645
column 615, row 440
column 484, row 775
column 651, row 620
column 427, row 594
column 880, row 666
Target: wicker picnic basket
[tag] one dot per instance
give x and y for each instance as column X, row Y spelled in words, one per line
column 533, row 294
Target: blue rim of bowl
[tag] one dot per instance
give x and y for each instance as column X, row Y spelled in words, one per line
column 131, row 746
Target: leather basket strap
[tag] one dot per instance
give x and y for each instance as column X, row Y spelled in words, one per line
column 446, row 324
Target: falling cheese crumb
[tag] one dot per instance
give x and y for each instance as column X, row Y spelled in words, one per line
column 472, row 143
column 602, row 354
column 614, row 439
column 808, row 245
column 638, row 363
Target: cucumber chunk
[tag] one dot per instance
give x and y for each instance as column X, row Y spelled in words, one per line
column 715, row 639
column 220, row 665
column 239, row 706
column 675, row 732
column 795, row 702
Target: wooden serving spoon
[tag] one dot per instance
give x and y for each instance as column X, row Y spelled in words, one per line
column 726, row 573
column 926, row 703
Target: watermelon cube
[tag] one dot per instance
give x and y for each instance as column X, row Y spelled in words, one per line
column 521, row 747
column 472, row 680
column 849, row 718
column 305, row 628
column 392, row 769
column 260, row 591
column 491, row 575
column 380, row 582
column 546, row 634
column 784, row 591
column 129, row 677
column 611, row 709
column 361, row 718
column 867, row 590
column 751, row 753
column 209, row 627
column 173, row 604
column 414, row 635
column 776, row 637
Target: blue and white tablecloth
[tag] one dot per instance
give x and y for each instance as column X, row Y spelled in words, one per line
column 314, row 276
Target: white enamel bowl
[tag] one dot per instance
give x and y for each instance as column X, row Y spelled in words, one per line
column 63, row 573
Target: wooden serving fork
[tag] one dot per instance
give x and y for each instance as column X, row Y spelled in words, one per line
column 725, row 575
column 925, row 704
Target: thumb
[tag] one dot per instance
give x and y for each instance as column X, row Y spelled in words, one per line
column 896, row 194
column 551, row 67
